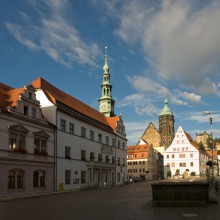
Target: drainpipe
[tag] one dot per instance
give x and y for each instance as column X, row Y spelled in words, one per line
column 55, row 156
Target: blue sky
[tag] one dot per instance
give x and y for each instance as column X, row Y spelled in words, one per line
column 156, row 48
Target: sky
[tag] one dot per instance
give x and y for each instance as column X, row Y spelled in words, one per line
column 156, row 49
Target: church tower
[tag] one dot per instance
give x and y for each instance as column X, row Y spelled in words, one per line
column 106, row 103
column 166, row 125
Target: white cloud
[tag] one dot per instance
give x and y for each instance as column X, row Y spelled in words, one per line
column 200, row 117
column 145, row 84
column 148, row 93
column 179, row 38
column 191, row 97
column 53, row 33
column 134, row 131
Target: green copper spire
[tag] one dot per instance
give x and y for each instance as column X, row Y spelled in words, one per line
column 106, row 67
column 106, row 102
column 166, row 110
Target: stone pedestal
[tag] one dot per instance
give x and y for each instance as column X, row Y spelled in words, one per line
column 166, row 193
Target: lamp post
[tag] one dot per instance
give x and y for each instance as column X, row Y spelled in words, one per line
column 210, row 121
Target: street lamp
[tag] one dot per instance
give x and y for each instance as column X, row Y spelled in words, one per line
column 210, row 121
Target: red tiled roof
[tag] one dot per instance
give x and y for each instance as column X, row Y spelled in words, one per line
column 215, row 153
column 54, row 94
column 112, row 121
column 9, row 96
column 192, row 142
column 141, row 151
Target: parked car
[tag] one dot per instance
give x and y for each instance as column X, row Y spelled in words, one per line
column 137, row 179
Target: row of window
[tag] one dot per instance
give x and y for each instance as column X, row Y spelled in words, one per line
column 76, row 180
column 63, row 127
column 180, row 149
column 82, row 179
column 17, row 142
column 180, row 156
column 16, row 178
column 32, row 112
column 136, row 170
column 92, row 157
column 181, row 164
column 136, row 162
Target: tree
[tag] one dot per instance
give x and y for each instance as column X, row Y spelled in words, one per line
column 201, row 146
column 209, row 142
column 216, row 140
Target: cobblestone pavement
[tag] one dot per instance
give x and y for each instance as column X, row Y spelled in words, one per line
column 127, row 202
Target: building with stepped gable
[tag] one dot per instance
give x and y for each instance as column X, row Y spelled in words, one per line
column 184, row 155
column 27, row 146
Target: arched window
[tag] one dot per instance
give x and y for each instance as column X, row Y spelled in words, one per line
column 15, row 178
column 39, row 178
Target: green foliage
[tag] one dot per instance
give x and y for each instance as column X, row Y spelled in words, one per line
column 169, row 173
column 209, row 142
column 216, row 140
column 177, row 172
column 201, row 146
column 218, row 152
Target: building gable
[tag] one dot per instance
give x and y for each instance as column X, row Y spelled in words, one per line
column 151, row 135
column 182, row 139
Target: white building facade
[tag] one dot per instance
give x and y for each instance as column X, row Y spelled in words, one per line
column 142, row 161
column 27, row 144
column 91, row 149
column 183, row 154
column 91, row 145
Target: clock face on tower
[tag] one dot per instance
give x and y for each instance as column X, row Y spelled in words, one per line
column 103, row 107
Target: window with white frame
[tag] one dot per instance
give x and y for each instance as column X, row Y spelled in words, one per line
column 67, row 176
column 15, row 179
column 62, row 125
column 40, row 143
column 83, row 132
column 123, row 145
column 119, row 144
column 17, row 138
column 182, row 164
column 33, row 112
column 83, row 177
column 71, row 128
column 83, row 155
column 91, row 135
column 39, row 178
column 107, row 140
column 113, row 142
column 100, row 138
column 67, row 152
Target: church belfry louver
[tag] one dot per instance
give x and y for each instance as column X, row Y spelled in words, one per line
column 166, row 125
column 106, row 102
